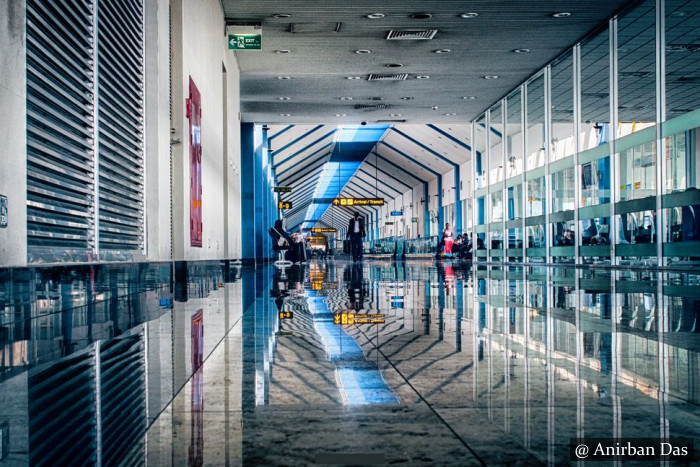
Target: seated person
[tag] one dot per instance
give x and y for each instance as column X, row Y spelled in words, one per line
column 295, row 253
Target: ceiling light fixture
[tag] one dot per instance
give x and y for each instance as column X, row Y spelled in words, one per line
column 421, row 15
column 521, row 51
column 394, row 115
column 376, row 98
column 363, row 51
column 450, row 114
column 354, row 77
column 491, row 77
column 563, row 14
column 282, row 15
column 443, row 51
column 435, row 107
column 282, row 51
column 469, row 98
column 407, row 98
column 376, row 15
column 346, row 98
column 284, row 98
column 468, row 15
column 285, row 115
column 394, row 65
column 340, row 115
column 284, row 77
column 422, row 77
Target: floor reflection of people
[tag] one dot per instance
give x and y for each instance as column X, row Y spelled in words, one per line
column 355, row 283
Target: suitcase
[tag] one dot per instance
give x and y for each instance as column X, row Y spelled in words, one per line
column 346, row 247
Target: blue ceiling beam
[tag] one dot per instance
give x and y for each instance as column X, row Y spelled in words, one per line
column 320, row 150
column 310, row 145
column 449, row 136
column 280, row 150
column 282, row 131
column 398, row 167
column 408, row 187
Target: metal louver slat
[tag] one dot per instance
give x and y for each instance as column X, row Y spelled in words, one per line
column 120, row 124
column 60, row 128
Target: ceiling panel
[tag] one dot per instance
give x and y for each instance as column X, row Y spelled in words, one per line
column 318, row 64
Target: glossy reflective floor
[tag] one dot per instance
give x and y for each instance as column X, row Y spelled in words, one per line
column 341, row 363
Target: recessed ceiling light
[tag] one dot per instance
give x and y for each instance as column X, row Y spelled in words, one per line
column 284, row 77
column 376, row 98
column 521, row 51
column 422, row 77
column 469, row 15
column 340, row 115
column 443, row 51
column 421, row 15
column 363, row 51
column 491, row 77
column 394, row 115
column 282, row 15
column 435, row 107
column 346, row 98
column 376, row 15
column 469, row 98
column 407, row 98
column 284, row 98
column 285, row 115
column 394, row 65
column 447, row 115
column 354, row 77
column 282, row 51
column 563, row 14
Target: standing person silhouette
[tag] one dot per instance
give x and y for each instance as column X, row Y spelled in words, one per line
column 448, row 236
column 356, row 232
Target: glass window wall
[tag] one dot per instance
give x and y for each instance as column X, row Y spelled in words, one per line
column 563, row 141
column 536, row 201
column 515, row 202
column 496, row 145
column 480, row 153
column 595, row 91
column 563, row 190
column 514, row 120
column 595, row 182
column 535, row 123
column 637, row 175
column 636, row 78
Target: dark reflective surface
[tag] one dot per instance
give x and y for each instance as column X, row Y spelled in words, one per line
column 418, row 363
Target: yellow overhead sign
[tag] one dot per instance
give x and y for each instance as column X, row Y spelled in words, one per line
column 358, row 202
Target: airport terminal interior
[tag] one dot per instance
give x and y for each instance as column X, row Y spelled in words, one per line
column 255, row 232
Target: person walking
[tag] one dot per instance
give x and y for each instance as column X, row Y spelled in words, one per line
column 356, row 232
column 448, row 237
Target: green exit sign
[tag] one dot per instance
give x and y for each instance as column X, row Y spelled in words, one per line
column 245, row 41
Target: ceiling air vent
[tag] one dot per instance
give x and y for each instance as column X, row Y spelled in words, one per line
column 392, row 121
column 387, row 77
column 371, row 106
column 411, row 34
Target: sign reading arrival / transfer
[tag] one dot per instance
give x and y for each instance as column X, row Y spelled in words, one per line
column 323, row 229
column 358, row 202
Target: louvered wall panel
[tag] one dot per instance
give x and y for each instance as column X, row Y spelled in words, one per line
column 60, row 162
column 123, row 401
column 120, row 124
column 62, row 412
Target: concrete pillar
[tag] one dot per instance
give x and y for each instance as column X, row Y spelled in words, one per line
column 13, row 132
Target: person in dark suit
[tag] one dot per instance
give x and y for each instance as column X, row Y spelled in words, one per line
column 356, row 232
